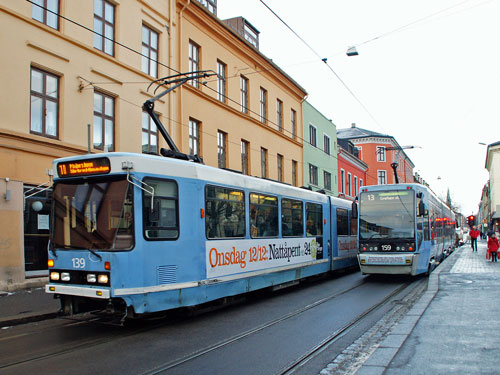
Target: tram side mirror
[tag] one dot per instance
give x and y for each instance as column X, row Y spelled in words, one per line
column 354, row 210
column 154, row 212
column 421, row 209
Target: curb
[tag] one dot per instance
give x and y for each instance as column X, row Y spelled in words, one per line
column 5, row 323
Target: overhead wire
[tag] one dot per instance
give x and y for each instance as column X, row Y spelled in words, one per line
column 297, row 136
column 325, row 61
column 419, row 20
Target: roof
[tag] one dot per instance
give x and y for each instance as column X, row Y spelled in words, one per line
column 489, row 150
column 355, row 132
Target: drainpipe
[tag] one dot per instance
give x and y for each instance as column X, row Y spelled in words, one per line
column 179, row 68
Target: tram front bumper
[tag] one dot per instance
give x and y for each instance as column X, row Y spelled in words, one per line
column 405, row 264
column 78, row 291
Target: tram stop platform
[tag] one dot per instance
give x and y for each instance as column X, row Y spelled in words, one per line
column 452, row 329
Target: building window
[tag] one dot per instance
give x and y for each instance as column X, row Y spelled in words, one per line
column 313, row 175
column 104, row 26
column 342, row 181
column 149, row 51
column 194, row 137
column 211, row 5
column 326, row 144
column 360, row 152
column 382, row 178
column 194, row 62
column 294, row 173
column 222, row 149
column 280, row 168
column 263, row 105
column 312, row 135
column 104, row 121
column 44, row 103
column 263, row 162
column 360, row 182
column 380, row 153
column 293, row 116
column 46, row 11
column 245, row 155
column 149, row 135
column 279, row 114
column 355, row 185
column 251, row 35
column 244, row 94
column 327, row 179
column 349, row 184
column 221, row 81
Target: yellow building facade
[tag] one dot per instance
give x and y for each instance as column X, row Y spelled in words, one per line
column 75, row 77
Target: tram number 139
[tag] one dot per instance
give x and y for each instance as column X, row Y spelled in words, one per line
column 78, row 262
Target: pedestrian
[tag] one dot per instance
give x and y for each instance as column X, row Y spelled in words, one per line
column 493, row 246
column 474, row 234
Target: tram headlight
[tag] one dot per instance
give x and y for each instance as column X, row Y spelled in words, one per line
column 55, row 276
column 91, row 278
column 103, row 279
column 65, row 276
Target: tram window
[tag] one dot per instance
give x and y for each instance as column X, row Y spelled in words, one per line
column 314, row 223
column 342, row 222
column 263, row 215
column 225, row 212
column 165, row 224
column 292, row 224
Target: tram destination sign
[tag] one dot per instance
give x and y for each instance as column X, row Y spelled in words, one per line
column 385, row 195
column 87, row 167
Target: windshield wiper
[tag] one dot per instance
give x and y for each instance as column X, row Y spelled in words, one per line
column 94, row 253
column 51, row 248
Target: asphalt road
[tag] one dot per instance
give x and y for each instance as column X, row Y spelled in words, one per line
column 261, row 335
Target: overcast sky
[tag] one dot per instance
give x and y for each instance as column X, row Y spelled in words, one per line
column 427, row 73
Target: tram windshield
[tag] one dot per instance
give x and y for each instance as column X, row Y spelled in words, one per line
column 387, row 214
column 94, row 215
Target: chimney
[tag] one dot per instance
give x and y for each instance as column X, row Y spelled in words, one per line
column 353, row 125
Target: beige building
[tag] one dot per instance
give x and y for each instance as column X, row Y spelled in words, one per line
column 75, row 77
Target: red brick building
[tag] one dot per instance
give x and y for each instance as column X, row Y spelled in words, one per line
column 352, row 170
column 378, row 151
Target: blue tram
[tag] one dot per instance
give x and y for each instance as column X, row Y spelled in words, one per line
column 403, row 229
column 142, row 233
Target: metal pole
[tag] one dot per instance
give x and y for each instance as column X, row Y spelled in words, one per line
column 88, row 139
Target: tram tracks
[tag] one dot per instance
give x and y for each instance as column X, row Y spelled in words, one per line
column 72, row 347
column 116, row 335
column 243, row 335
column 292, row 367
column 119, row 335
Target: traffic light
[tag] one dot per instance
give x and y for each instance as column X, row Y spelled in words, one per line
column 471, row 220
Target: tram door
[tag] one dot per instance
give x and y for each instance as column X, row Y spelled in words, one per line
column 36, row 233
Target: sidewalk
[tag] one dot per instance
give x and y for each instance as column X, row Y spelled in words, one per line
column 453, row 328
column 26, row 306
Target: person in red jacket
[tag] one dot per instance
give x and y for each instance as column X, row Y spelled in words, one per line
column 493, row 246
column 474, row 234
